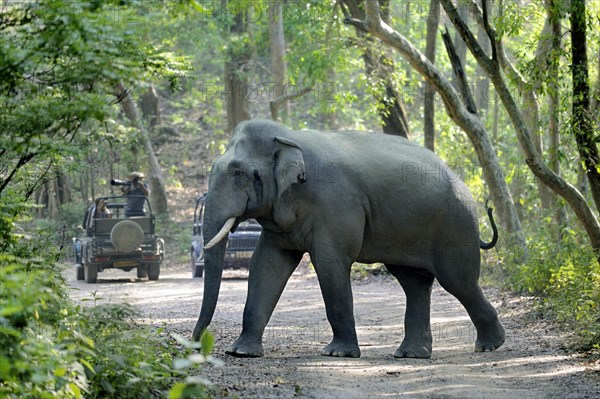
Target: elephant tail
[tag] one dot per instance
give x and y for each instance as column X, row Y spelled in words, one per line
column 491, row 244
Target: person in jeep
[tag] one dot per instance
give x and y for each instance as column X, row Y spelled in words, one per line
column 135, row 193
column 101, row 211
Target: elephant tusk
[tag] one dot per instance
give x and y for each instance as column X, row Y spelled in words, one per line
column 221, row 234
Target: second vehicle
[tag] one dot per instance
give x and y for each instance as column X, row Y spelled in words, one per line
column 240, row 245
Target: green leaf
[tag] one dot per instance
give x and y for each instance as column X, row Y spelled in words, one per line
column 60, row 371
column 177, row 390
column 107, row 386
column 75, row 389
column 10, row 310
column 208, row 342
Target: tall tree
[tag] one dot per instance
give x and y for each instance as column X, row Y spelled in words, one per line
column 57, row 62
column 236, row 71
column 482, row 91
column 581, row 122
column 459, row 44
column 158, row 194
column 379, row 67
column 433, row 18
column 554, row 17
column 278, row 62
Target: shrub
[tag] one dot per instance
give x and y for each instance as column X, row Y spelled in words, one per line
column 50, row 347
column 567, row 277
column 39, row 351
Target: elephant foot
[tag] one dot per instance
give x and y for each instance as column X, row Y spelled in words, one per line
column 491, row 342
column 339, row 348
column 244, row 347
column 413, row 351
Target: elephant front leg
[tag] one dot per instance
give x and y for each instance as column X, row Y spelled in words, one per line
column 417, row 285
column 270, row 270
column 334, row 279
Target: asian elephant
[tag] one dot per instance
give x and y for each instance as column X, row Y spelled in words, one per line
column 344, row 197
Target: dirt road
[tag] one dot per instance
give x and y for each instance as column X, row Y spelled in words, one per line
column 530, row 364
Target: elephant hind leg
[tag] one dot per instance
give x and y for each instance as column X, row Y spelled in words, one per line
column 416, row 284
column 490, row 333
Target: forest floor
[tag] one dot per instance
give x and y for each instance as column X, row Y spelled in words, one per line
column 531, row 364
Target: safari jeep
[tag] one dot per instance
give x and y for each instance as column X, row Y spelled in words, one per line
column 120, row 242
column 240, row 244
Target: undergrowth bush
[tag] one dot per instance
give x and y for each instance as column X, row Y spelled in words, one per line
column 567, row 278
column 51, row 347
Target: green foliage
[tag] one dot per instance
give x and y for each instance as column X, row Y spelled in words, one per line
column 52, row 348
column 362, row 271
column 193, row 386
column 567, row 277
column 128, row 361
column 39, row 351
column 59, row 62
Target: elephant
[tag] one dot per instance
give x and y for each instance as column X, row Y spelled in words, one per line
column 344, row 197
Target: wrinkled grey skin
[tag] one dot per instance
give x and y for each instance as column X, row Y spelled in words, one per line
column 345, row 197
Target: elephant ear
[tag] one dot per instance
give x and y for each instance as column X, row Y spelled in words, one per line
column 289, row 164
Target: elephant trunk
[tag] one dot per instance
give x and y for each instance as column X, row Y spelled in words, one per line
column 214, row 255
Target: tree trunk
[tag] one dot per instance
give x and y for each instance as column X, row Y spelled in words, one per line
column 236, row 81
column 380, row 66
column 482, row 90
column 63, row 188
column 496, row 119
column 594, row 108
column 150, row 106
column 581, row 119
column 492, row 173
column 158, row 194
column 560, row 215
column 278, row 63
column 533, row 158
column 53, row 204
column 433, row 19
column 92, row 176
column 459, row 44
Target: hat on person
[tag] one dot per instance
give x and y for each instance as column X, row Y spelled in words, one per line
column 134, row 175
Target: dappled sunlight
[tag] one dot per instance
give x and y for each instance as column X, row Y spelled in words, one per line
column 452, row 375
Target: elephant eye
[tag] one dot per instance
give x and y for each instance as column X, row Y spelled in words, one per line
column 237, row 173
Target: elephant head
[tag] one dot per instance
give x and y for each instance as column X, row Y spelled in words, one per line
column 258, row 166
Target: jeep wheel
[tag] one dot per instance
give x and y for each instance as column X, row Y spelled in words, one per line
column 142, row 271
column 198, row 271
column 79, row 272
column 90, row 273
column 153, row 271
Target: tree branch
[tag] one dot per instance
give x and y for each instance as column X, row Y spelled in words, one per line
column 20, row 163
column 276, row 103
column 41, row 180
column 460, row 73
column 488, row 29
column 469, row 38
column 568, row 192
